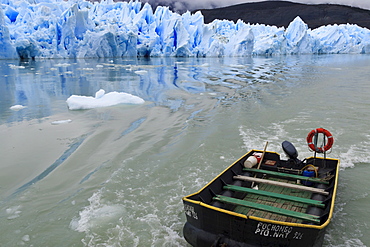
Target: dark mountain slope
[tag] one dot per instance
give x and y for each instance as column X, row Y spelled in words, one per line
column 281, row 13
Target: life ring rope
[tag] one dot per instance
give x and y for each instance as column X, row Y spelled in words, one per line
column 313, row 146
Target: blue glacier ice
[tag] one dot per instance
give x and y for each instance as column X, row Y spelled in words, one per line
column 81, row 29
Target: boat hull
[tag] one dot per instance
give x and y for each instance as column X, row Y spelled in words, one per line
column 204, row 227
column 210, row 223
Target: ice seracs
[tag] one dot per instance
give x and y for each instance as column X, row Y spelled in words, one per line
column 84, row 29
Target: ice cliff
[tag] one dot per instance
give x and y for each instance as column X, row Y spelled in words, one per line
column 81, row 29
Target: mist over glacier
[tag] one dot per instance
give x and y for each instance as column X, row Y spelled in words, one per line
column 82, row 29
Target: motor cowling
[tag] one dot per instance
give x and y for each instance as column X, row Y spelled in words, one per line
column 290, row 150
column 292, row 154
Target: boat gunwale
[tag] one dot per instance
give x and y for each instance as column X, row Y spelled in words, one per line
column 319, row 227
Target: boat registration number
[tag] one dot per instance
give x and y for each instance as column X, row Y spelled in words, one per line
column 276, row 231
column 190, row 211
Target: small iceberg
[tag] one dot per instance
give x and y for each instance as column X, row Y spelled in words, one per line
column 57, row 122
column 101, row 99
column 141, row 72
column 17, row 107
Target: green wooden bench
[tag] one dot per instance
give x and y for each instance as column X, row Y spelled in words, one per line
column 282, row 184
column 287, row 175
column 275, row 195
column 271, row 209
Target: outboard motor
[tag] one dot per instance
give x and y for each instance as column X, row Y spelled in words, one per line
column 292, row 153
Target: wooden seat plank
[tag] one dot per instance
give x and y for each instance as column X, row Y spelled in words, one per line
column 271, row 209
column 287, row 175
column 275, row 195
column 283, row 184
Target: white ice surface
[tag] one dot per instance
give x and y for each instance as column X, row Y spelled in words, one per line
column 101, row 99
column 17, row 107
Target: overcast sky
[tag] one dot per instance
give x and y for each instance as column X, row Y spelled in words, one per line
column 198, row 4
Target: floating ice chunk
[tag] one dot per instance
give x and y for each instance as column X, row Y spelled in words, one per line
column 57, row 122
column 76, row 102
column 13, row 66
column 17, row 107
column 62, row 65
column 13, row 212
column 26, row 238
column 238, row 66
column 141, row 72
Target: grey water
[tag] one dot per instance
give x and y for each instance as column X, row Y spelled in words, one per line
column 115, row 176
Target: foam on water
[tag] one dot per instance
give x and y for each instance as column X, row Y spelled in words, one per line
column 131, row 220
column 356, row 154
column 97, row 215
column 349, row 156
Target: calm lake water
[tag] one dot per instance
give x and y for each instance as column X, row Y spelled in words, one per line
column 115, row 176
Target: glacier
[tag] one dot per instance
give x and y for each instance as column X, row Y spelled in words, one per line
column 37, row 29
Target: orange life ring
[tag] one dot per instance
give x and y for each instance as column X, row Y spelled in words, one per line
column 319, row 149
